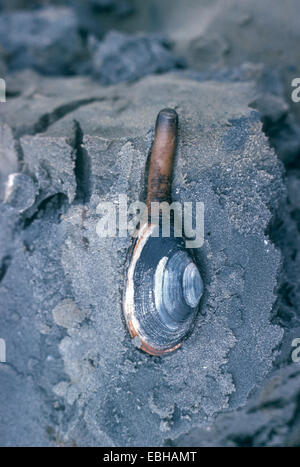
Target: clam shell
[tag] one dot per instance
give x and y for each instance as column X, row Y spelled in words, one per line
column 162, row 293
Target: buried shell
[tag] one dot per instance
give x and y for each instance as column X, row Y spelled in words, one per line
column 163, row 284
column 163, row 291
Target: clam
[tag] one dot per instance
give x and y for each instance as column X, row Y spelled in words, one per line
column 163, row 284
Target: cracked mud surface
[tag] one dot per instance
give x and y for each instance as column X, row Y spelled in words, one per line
column 73, row 376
